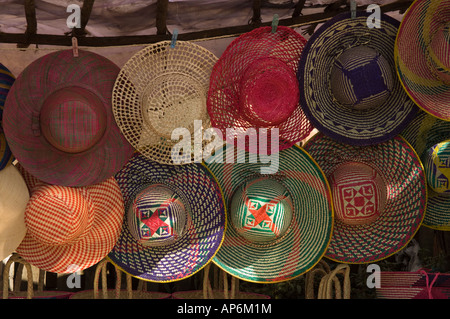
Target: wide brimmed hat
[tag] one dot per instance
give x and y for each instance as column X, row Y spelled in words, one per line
column 348, row 85
column 6, row 81
column 254, row 85
column 430, row 138
column 14, row 197
column 161, row 89
column 379, row 196
column 174, row 223
column 58, row 119
column 279, row 224
column 70, row 228
column 422, row 56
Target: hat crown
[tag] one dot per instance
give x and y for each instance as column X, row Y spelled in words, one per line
column 269, row 92
column 439, row 53
column 72, row 119
column 361, row 78
column 261, row 210
column 58, row 215
column 359, row 193
column 437, row 167
column 157, row 216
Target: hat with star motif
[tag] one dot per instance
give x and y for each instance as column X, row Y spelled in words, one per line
column 174, row 219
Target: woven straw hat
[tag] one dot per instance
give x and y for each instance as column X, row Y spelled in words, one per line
column 14, row 198
column 174, row 223
column 58, row 120
column 422, row 55
column 348, row 86
column 254, row 85
column 430, row 136
column 162, row 88
column 70, row 228
column 279, row 224
column 6, row 81
column 379, row 196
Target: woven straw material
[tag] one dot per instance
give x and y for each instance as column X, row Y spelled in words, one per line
column 71, row 229
column 205, row 221
column 422, row 44
column 308, row 234
column 58, row 119
column 422, row 133
column 158, row 90
column 14, row 198
column 6, row 81
column 381, row 117
column 253, row 85
column 406, row 195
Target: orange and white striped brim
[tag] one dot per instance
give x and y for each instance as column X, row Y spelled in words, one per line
column 71, row 228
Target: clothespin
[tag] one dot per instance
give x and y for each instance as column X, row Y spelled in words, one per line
column 353, row 8
column 174, row 38
column 274, row 23
column 75, row 47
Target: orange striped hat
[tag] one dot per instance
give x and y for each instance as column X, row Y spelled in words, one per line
column 70, row 228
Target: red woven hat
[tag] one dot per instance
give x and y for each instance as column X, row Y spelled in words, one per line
column 70, row 228
column 254, row 85
column 58, row 119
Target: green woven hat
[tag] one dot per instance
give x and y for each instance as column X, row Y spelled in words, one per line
column 280, row 224
column 430, row 136
column 379, row 196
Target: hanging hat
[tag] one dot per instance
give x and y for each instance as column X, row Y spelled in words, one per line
column 6, row 81
column 379, row 196
column 422, row 56
column 174, row 220
column 430, row 138
column 280, row 224
column 160, row 89
column 14, row 197
column 70, row 228
column 348, row 86
column 254, row 85
column 58, row 120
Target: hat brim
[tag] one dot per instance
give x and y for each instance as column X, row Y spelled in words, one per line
column 203, row 233
column 24, row 101
column 406, row 198
column 356, row 127
column 94, row 246
column 306, row 239
column 422, row 133
column 410, row 51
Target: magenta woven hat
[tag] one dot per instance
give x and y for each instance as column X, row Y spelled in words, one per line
column 254, row 85
column 58, row 119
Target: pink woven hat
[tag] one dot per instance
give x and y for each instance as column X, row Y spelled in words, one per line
column 422, row 56
column 70, row 228
column 58, row 119
column 254, row 85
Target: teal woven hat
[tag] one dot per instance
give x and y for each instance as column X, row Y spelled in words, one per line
column 430, row 137
column 279, row 224
column 379, row 196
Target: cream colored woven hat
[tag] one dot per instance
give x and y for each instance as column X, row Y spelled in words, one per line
column 14, row 197
column 159, row 89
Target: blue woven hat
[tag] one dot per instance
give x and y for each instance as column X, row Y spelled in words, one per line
column 6, row 81
column 348, row 85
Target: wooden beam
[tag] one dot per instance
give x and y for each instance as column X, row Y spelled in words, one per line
column 298, row 8
column 162, row 7
column 62, row 40
column 30, row 16
column 256, row 18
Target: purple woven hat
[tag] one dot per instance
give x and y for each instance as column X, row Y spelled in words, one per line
column 58, row 119
column 348, row 86
column 174, row 220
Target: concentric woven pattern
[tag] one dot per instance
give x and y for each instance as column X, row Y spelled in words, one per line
column 6, row 81
column 224, row 93
column 96, row 243
column 21, row 121
column 203, row 233
column 422, row 20
column 158, row 90
column 363, row 127
column 308, row 234
column 405, row 205
column 422, row 133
